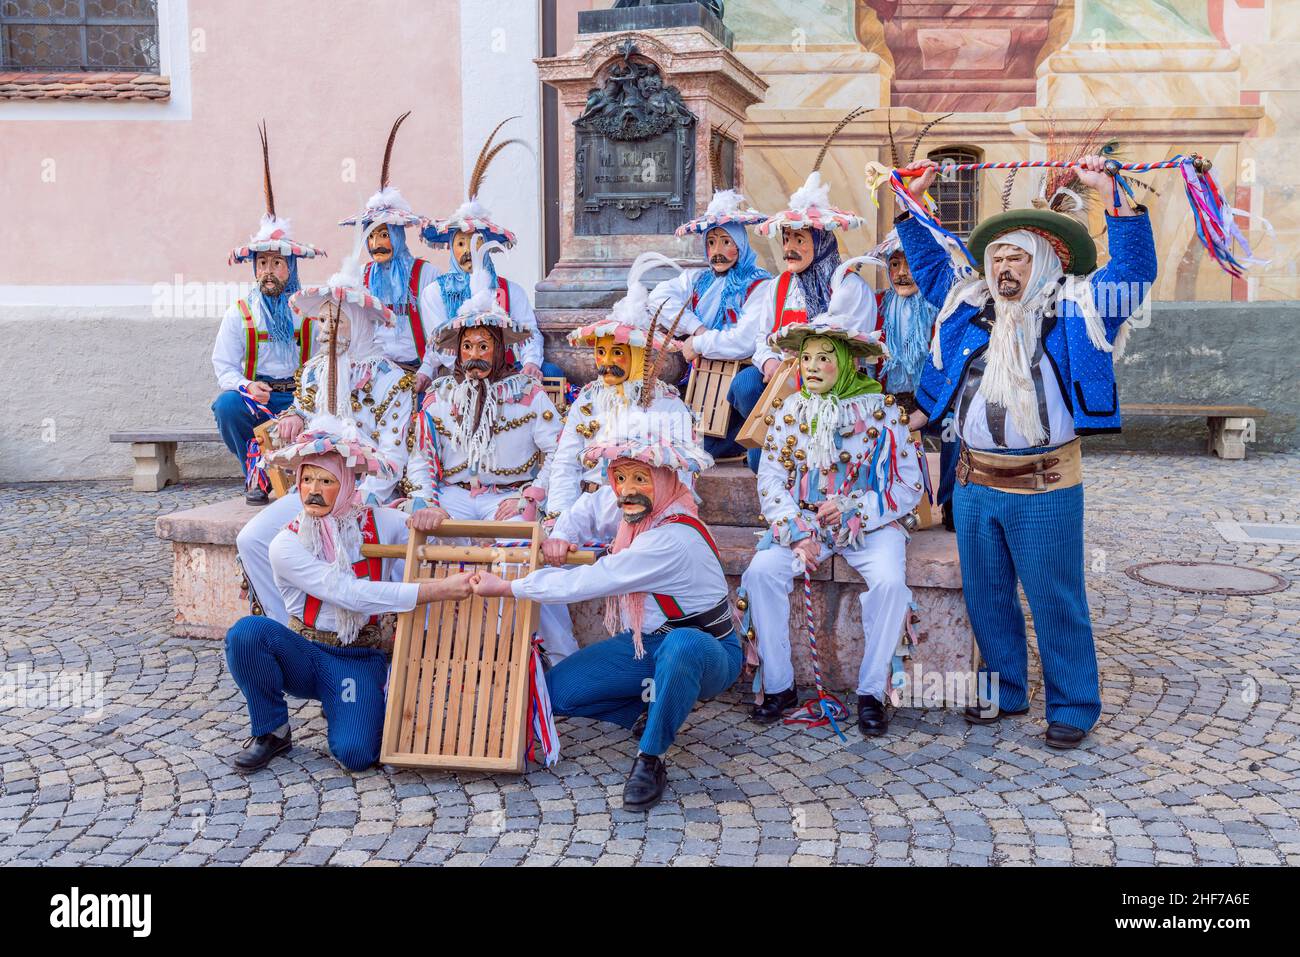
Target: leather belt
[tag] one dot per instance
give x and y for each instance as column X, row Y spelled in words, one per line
column 372, row 635
column 406, row 366
column 716, row 621
column 1059, row 468
column 279, row 385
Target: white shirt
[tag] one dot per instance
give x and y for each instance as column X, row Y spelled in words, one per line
column 298, row 573
column 534, row 434
column 856, row 296
column 398, row 343
column 591, row 410
column 732, row 341
column 434, row 312
column 230, row 353
column 672, row 559
column 385, row 418
column 973, row 427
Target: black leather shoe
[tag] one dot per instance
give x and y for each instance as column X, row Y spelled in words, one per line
column 977, row 715
column 256, row 496
column 645, row 785
column 1064, row 735
column 259, row 751
column 775, row 706
column 873, row 719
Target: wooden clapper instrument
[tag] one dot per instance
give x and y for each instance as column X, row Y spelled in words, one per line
column 706, row 393
column 458, row 688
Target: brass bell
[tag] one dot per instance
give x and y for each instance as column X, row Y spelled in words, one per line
column 803, row 427
column 586, row 409
column 750, row 634
column 790, row 441
column 548, row 415
column 768, row 419
column 878, row 414
column 902, row 418
column 844, row 456
column 776, row 403
column 799, row 454
column 742, row 604
column 788, row 419
column 873, row 433
column 889, row 400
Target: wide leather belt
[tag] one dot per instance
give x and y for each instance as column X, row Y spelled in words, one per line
column 1060, row 468
column 716, row 621
column 372, row 635
column 280, row 385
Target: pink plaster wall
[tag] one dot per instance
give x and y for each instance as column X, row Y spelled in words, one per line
column 136, row 202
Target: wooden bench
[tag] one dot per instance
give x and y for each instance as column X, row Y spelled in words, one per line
column 155, row 454
column 1231, row 426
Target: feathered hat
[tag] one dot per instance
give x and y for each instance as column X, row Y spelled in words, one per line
column 810, row 205
column 472, row 216
column 330, row 433
column 629, row 320
column 347, row 288
column 273, row 233
column 482, row 308
column 386, row 207
column 661, row 438
column 726, row 206
column 835, row 323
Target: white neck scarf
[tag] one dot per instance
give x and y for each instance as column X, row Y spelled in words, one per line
column 335, row 540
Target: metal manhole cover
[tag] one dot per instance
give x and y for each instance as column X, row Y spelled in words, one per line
column 1211, row 578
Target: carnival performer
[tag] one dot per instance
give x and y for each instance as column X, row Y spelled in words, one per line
column 369, row 389
column 838, row 472
column 261, row 343
column 394, row 275
column 337, row 645
column 664, row 588
column 468, row 228
column 1022, row 356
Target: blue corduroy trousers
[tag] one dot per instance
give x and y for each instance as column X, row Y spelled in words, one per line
column 605, row 681
column 236, row 423
column 1036, row 539
column 268, row 660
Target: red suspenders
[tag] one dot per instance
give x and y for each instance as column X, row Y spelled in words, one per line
column 371, row 568
column 302, row 337
column 412, row 305
column 667, row 604
column 781, row 316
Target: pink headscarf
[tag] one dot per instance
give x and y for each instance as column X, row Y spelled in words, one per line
column 671, row 497
column 348, row 497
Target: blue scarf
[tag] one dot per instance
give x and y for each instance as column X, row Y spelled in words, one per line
column 390, row 282
column 276, row 312
column 907, row 325
column 715, row 295
column 815, row 281
column 454, row 284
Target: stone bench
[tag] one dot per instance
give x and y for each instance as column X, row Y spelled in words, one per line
column 1231, row 426
column 155, row 454
column 207, row 601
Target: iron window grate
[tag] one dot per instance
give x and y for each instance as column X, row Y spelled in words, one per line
column 79, row 36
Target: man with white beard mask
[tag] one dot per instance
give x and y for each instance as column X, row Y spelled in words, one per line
column 1023, row 357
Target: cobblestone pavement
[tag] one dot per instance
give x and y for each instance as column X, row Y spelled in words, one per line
column 1195, row 759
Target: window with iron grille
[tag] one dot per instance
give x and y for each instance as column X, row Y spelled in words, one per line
column 957, row 193
column 75, row 36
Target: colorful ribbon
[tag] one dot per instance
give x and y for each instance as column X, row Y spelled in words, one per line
column 541, row 729
column 825, row 708
column 255, row 468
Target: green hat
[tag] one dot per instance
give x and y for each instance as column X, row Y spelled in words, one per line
column 1069, row 237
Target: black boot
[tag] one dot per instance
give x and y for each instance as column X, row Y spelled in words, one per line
column 775, row 706
column 645, row 784
column 873, row 720
column 1064, row 735
column 990, row 714
column 256, row 496
column 949, row 522
column 259, row 751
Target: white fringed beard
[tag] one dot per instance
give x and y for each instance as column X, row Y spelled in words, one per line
column 1008, row 374
column 345, row 533
column 820, row 447
column 475, row 442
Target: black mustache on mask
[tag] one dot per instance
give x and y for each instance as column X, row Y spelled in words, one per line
column 719, row 260
column 636, row 498
column 792, row 257
column 466, row 259
column 314, row 499
column 904, row 281
column 617, row 371
column 376, row 250
column 478, row 364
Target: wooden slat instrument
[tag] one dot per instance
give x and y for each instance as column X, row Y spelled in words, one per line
column 458, row 688
column 268, row 438
column 556, row 386
column 784, row 382
column 706, row 393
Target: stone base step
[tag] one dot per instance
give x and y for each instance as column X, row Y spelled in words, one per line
column 207, row 602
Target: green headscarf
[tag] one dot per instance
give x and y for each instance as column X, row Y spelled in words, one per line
column 850, row 382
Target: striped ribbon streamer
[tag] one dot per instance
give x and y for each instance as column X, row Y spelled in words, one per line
column 1214, row 217
column 825, row 708
column 255, row 472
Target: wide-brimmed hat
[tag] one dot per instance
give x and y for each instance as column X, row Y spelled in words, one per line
column 630, row 318
column 810, row 208
column 835, row 323
column 331, row 434
column 273, row 233
column 481, row 309
column 727, row 206
column 1068, row 237
column 387, row 206
column 472, row 216
column 658, row 437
